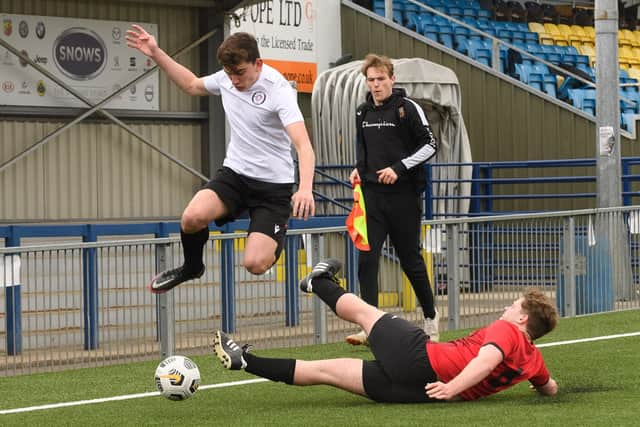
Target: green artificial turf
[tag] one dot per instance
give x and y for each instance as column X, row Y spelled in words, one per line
column 599, row 384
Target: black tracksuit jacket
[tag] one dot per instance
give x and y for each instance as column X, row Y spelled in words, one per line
column 395, row 134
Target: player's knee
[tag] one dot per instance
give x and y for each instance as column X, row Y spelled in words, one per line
column 192, row 222
column 256, row 265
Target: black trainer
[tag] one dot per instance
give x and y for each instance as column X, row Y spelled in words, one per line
column 169, row 279
column 229, row 353
column 327, row 268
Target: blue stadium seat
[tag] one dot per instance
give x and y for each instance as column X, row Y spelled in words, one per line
column 517, row 36
column 531, row 37
column 583, row 60
column 570, row 55
column 455, row 11
column 484, row 14
column 504, row 57
column 567, row 84
column 530, row 75
column 584, row 99
column 410, row 13
column 430, row 31
column 569, row 59
column 459, row 30
column 588, row 70
column 627, row 121
column 469, row 21
column 628, row 102
column 445, row 35
column 550, row 54
column 550, row 84
column 439, row 20
column 469, row 12
column 504, row 34
column 479, row 51
column 538, row 77
column 414, row 22
column 461, row 44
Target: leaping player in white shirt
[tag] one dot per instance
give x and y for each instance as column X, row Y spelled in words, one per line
column 258, row 170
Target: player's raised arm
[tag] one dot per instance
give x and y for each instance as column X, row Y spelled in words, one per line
column 138, row 38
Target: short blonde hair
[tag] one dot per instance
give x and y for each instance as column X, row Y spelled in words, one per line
column 377, row 61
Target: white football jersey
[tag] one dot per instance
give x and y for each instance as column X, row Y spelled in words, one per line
column 259, row 147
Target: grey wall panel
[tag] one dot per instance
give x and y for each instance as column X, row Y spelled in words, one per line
column 21, row 188
column 69, row 164
column 156, row 187
column 96, row 171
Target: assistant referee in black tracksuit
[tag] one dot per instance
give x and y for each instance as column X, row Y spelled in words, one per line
column 394, row 140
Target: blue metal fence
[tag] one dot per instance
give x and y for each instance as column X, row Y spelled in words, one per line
column 90, row 273
column 487, row 189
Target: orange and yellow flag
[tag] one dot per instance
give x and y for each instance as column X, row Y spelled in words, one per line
column 357, row 220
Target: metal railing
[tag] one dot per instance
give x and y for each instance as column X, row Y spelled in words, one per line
column 495, row 186
column 76, row 305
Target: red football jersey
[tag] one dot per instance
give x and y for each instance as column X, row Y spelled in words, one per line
column 521, row 359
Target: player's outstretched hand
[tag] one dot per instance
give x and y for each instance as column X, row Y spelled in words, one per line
column 303, row 204
column 439, row 390
column 138, row 38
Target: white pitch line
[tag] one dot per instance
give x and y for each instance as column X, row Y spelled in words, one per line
column 123, row 397
column 257, row 380
column 605, row 337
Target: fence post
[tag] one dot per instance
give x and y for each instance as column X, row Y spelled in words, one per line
column 319, row 308
column 488, row 192
column 428, row 192
column 476, row 190
column 351, row 266
column 453, row 279
column 227, row 269
column 292, row 295
column 13, row 298
column 90, row 289
column 568, row 294
column 164, row 302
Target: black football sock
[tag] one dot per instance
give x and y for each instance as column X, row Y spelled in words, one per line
column 272, row 369
column 328, row 291
column 193, row 246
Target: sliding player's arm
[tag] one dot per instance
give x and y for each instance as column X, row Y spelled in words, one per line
column 476, row 370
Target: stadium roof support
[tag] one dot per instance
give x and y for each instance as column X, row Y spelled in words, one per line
column 612, row 238
column 607, row 104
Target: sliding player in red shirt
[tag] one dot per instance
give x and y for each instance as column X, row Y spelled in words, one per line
column 408, row 367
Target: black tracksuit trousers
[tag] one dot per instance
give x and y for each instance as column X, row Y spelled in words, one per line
column 396, row 214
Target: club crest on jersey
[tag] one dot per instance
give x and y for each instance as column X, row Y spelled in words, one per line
column 258, row 97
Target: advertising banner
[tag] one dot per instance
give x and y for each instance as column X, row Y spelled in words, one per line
column 91, row 56
column 286, row 35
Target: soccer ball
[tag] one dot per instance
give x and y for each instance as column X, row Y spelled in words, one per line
column 177, row 378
